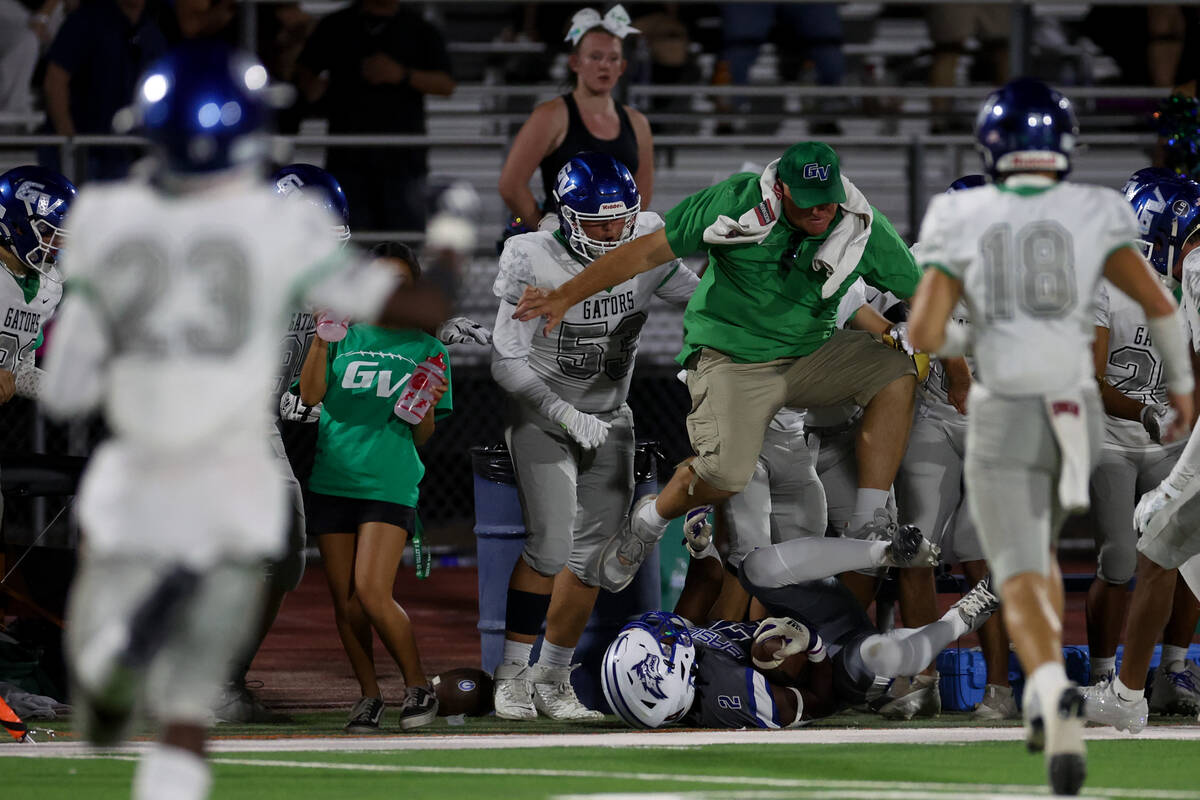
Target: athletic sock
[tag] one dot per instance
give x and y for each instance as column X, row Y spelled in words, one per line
column 554, row 656
column 1125, row 694
column 649, row 516
column 516, row 652
column 1103, row 668
column 866, row 503
column 808, row 559
column 1048, row 681
column 1174, row 658
column 961, row 627
column 171, row 773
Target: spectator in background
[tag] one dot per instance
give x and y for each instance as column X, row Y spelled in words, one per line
column 94, row 63
column 950, row 26
column 587, row 118
column 22, row 35
column 667, row 59
column 198, row 19
column 371, row 65
column 811, row 31
column 1147, row 42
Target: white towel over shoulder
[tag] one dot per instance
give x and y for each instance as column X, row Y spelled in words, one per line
column 841, row 251
column 1068, row 420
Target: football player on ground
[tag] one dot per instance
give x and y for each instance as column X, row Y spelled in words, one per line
column 1027, row 252
column 1167, row 517
column 929, row 494
column 817, row 653
column 33, row 204
column 180, row 285
column 1134, row 460
column 569, row 430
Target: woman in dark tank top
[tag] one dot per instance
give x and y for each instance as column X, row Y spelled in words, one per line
column 588, row 118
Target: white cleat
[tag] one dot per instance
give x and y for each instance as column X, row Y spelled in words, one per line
column 1066, row 756
column 513, row 693
column 620, row 559
column 554, row 696
column 978, row 604
column 909, row 548
column 998, row 703
column 1103, row 707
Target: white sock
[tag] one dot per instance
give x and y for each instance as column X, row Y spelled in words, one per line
column 1048, row 681
column 906, row 651
column 650, row 516
column 961, row 628
column 171, row 773
column 1174, row 658
column 516, row 652
column 1125, row 694
column 809, row 559
column 1102, row 667
column 866, row 502
column 554, row 656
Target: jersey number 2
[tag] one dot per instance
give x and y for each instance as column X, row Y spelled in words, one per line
column 1034, row 270
column 582, row 352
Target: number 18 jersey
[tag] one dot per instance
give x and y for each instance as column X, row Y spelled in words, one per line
column 1030, row 254
column 588, row 359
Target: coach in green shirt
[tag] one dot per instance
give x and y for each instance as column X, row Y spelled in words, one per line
column 761, row 333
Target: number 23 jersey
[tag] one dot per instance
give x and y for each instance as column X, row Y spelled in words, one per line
column 588, row 359
column 1030, row 255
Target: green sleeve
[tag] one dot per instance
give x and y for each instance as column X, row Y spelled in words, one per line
column 446, row 404
column 686, row 222
column 887, row 263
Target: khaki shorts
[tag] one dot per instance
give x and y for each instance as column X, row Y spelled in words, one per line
column 732, row 403
column 953, row 24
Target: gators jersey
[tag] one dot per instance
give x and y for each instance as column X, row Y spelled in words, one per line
column 588, row 359
column 1133, row 367
column 730, row 692
column 1029, row 253
column 300, row 331
column 934, row 392
column 25, row 306
column 1191, row 297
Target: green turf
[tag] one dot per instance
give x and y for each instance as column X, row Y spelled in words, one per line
column 1138, row 764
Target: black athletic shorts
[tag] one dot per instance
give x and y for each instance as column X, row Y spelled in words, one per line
column 327, row 513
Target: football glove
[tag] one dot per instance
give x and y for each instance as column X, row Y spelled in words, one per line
column 588, row 430
column 1151, row 503
column 293, row 409
column 463, row 330
column 796, row 637
column 1157, row 419
column 697, row 530
column 897, row 338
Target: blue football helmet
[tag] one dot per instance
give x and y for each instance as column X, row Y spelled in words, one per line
column 319, row 188
column 1025, row 126
column 595, row 187
column 1168, row 213
column 205, row 107
column 1144, row 176
column 967, row 182
column 33, row 204
column 647, row 673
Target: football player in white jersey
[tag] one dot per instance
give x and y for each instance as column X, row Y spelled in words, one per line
column 33, row 204
column 1168, row 516
column 180, row 285
column 569, row 430
column 1027, row 252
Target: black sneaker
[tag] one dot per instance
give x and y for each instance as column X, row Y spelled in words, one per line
column 365, row 716
column 419, row 708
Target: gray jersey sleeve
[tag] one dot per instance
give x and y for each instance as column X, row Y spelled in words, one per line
column 678, row 285
column 511, row 340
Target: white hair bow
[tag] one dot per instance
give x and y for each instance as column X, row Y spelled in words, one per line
column 616, row 22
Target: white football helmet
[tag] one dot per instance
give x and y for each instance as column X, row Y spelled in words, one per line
column 647, row 673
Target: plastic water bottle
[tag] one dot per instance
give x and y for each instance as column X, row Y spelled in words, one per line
column 330, row 329
column 417, row 398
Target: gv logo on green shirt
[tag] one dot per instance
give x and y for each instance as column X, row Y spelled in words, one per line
column 361, row 374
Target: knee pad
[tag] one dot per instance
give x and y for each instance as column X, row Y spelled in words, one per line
column 547, row 560
column 1116, row 562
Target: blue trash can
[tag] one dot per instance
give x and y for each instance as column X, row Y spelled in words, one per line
column 500, row 538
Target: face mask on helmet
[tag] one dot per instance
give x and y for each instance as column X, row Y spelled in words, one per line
column 318, row 187
column 598, row 204
column 647, row 672
column 33, row 205
column 1168, row 214
column 1026, row 126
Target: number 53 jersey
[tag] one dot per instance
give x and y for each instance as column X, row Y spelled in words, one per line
column 588, row 359
column 1030, row 253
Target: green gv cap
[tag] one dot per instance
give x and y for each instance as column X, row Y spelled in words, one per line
column 812, row 174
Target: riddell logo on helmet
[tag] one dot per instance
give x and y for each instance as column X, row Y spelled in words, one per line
column 618, row 206
column 1028, row 161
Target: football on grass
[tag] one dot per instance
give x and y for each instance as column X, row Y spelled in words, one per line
column 465, row 690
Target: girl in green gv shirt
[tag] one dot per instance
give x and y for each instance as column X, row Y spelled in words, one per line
column 362, row 494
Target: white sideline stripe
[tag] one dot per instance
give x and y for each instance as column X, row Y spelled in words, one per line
column 668, row 738
column 950, row 793
column 834, row 788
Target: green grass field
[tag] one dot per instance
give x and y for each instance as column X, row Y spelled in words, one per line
column 488, row 759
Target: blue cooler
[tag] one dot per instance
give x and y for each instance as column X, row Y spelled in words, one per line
column 964, row 675
column 500, row 538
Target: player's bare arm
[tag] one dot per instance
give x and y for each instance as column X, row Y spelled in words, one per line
column 312, row 374
column 424, row 429
column 1116, row 403
column 931, row 306
column 8, row 385
column 640, row 255
column 958, row 378
column 1129, row 272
